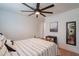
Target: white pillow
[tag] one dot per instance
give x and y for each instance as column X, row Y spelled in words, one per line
column 48, row 38
column 52, row 39
column 1, row 41
column 0, row 44
column 9, row 43
column 3, row 49
column 1, row 37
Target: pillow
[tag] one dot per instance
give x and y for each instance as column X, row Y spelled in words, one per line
column 52, row 39
column 9, row 46
column 2, row 41
column 48, row 39
column 3, row 49
column 10, row 49
column 1, row 37
column 8, row 42
column 0, row 44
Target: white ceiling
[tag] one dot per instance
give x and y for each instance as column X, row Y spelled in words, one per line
column 58, row 8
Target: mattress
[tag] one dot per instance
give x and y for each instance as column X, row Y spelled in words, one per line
column 34, row 47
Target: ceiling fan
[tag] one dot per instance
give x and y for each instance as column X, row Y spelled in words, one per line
column 38, row 11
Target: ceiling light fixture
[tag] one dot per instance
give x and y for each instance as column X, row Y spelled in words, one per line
column 37, row 13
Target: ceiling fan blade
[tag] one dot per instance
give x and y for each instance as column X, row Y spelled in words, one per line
column 28, row 6
column 42, row 14
column 26, row 11
column 37, row 6
column 48, row 7
column 31, row 14
column 47, row 12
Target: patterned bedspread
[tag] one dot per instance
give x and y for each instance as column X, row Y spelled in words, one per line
column 34, row 47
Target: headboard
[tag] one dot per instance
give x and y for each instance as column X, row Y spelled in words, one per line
column 49, row 38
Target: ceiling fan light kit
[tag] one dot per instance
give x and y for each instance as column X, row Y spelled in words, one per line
column 38, row 11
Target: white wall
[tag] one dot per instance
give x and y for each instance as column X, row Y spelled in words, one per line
column 72, row 15
column 41, row 30
column 41, row 27
column 16, row 26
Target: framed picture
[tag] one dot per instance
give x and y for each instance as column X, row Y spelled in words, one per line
column 54, row 27
column 71, row 33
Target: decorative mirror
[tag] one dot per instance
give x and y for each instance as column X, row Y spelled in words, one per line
column 71, row 33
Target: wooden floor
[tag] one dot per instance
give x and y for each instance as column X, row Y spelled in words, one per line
column 63, row 52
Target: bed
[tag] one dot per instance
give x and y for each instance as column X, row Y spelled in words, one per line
column 31, row 47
